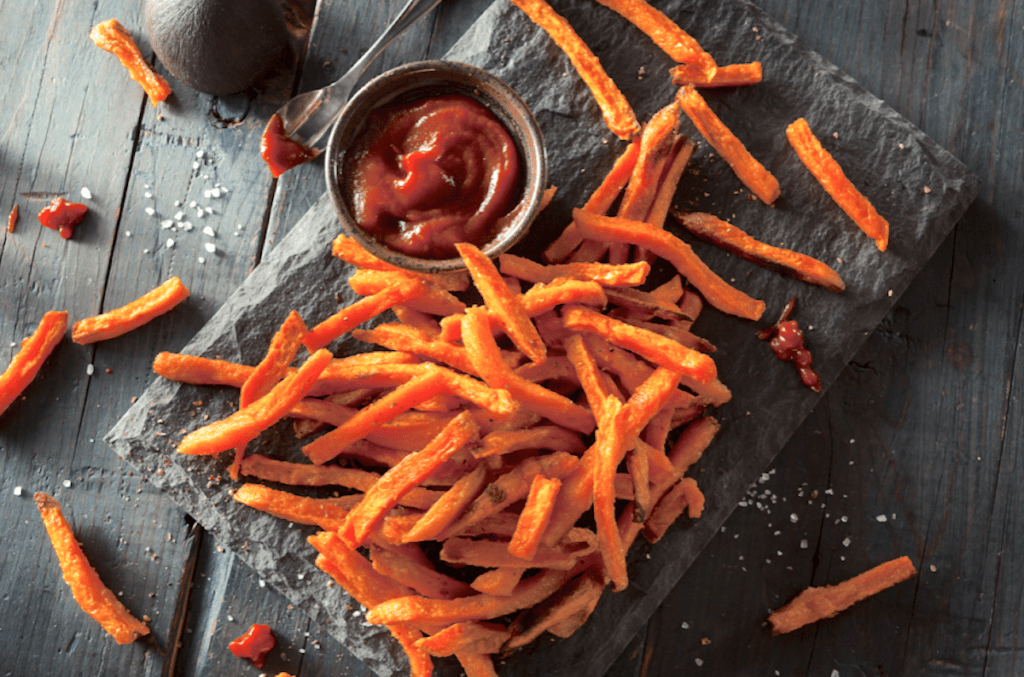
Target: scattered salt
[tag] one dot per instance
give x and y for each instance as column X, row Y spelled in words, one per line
column 178, row 216
column 301, row 576
column 803, row 544
column 17, row 492
column 89, row 369
column 67, row 483
column 882, row 518
column 209, row 210
column 215, row 192
column 209, row 231
column 145, row 251
column 207, row 193
column 263, row 584
column 686, row 626
column 846, row 542
column 192, row 204
column 199, row 153
column 148, row 195
column 202, row 260
column 231, row 619
column 86, row 193
column 170, row 243
column 793, row 517
column 835, row 673
column 199, row 213
column 195, row 165
column 167, row 223
column 150, row 211
column 186, row 225
column 698, row 661
column 210, row 247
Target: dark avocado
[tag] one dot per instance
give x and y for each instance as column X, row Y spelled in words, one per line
column 216, row 46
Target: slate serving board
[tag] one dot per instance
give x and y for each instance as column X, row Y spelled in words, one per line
column 917, row 185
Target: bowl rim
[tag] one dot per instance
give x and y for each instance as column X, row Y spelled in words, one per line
column 434, row 76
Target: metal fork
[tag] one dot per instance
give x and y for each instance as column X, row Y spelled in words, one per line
column 311, row 114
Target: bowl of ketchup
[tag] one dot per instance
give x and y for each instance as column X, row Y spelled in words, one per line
column 431, row 154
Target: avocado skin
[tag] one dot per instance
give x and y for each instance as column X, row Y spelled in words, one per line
column 216, row 46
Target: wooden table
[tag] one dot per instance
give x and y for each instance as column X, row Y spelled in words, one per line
column 915, row 450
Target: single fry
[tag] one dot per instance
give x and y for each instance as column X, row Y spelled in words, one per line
column 484, row 553
column 351, row 252
column 400, row 337
column 664, row 32
column 733, row 75
column 131, row 316
column 667, row 189
column 96, row 599
column 610, row 449
column 785, row 261
column 550, row 437
column 246, row 424
column 683, row 496
column 577, row 595
column 832, row 178
column 663, row 244
column 607, row 275
column 501, row 581
column 385, row 409
column 656, row 153
column 347, row 319
column 327, row 514
column 435, row 300
column 752, row 173
column 112, row 37
column 814, row 604
column 425, row 580
column 599, row 203
column 449, row 507
column 534, row 518
column 502, row 302
column 471, row 636
column 409, row 472
column 29, row 359
column 647, row 344
column 617, row 113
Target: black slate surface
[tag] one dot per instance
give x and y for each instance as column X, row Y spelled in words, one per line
column 886, row 156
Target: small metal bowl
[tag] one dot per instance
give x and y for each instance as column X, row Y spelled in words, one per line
column 435, row 78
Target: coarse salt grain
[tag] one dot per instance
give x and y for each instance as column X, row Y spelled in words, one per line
column 187, row 225
column 931, row 568
column 210, row 247
column 179, row 216
column 803, row 544
column 86, row 193
column 215, row 192
column 66, row 483
column 686, row 626
column 882, row 518
column 195, row 165
column 150, row 211
column 209, row 210
column 170, row 243
column 199, row 153
column 199, row 213
column 206, row 193
column 835, row 673
column 209, row 231
column 127, row 233
column 263, row 584
column 167, row 223
column 202, row 260
column 698, row 661
column 89, row 369
column 846, row 542
column 17, row 492
column 793, row 517
column 231, row 619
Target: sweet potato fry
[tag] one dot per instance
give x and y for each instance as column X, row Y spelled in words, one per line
column 669, row 247
column 570, row 624
column 409, row 472
column 549, row 437
column 29, row 359
column 599, row 203
column 647, row 344
column 398, row 337
column 629, row 274
column 131, row 316
column 692, row 442
column 814, row 604
column 112, row 37
column 574, row 597
column 611, row 447
column 590, row 377
column 401, row 399
column 683, row 496
column 504, row 305
column 501, row 581
column 752, row 173
column 407, row 432
column 553, row 369
column 425, row 580
column 785, row 261
column 324, row 513
column 92, row 595
column 832, row 178
column 471, row 636
column 417, row 319
column 664, row 32
column 616, row 110
column 347, row 319
column 245, row 424
column 534, row 518
column 306, row 475
column 656, row 152
column 733, row 75
column 449, row 507
column 434, row 300
column 639, row 476
column 682, row 153
column 475, row 608
column 484, row 553
column 351, row 252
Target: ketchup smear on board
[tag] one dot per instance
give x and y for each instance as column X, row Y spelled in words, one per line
column 427, row 174
column 255, row 644
column 62, row 216
column 787, row 342
column 279, row 152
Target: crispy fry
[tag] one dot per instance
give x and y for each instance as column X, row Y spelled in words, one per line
column 131, row 316
column 350, row 251
column 112, row 37
column 832, row 178
column 347, row 319
column 785, row 261
column 814, row 604
column 611, row 447
column 554, row 369
column 639, row 476
column 433, row 301
column 504, row 304
column 647, row 344
column 534, row 518
column 616, row 110
column 683, row 496
column 484, row 553
column 629, row 274
column 408, row 431
column 401, row 399
column 733, row 75
column 417, row 319
column 448, row 508
column 667, row 187
column 599, row 203
column 501, row 581
column 471, row 636
column 324, row 513
column 29, row 359
column 590, row 377
column 752, row 173
column 575, row 596
column 245, row 424
column 549, row 437
column 664, row 32
column 669, row 247
column 306, row 475
column 425, row 580
column 656, row 153
column 96, row 599
column 692, row 442
column 405, row 476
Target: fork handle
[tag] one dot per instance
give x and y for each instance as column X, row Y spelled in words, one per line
column 411, row 13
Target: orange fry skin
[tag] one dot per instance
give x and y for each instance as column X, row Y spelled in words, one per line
column 131, row 316
column 112, row 37
column 785, row 261
column 665, row 245
column 733, row 75
column 831, row 177
column 625, row 275
column 617, row 113
column 246, row 424
column 665, row 33
column 320, row 512
column 534, row 518
column 752, row 173
column 34, row 351
column 814, row 604
column 484, row 638
column 92, row 595
column 347, row 319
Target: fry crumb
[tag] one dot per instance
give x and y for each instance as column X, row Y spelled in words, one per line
column 927, row 189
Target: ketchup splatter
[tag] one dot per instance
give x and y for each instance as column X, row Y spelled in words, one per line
column 279, row 152
column 787, row 342
column 63, row 216
column 255, row 644
column 12, row 219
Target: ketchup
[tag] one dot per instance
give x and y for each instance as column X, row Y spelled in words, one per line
column 63, row 216
column 787, row 342
column 427, row 174
column 279, row 152
column 255, row 644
